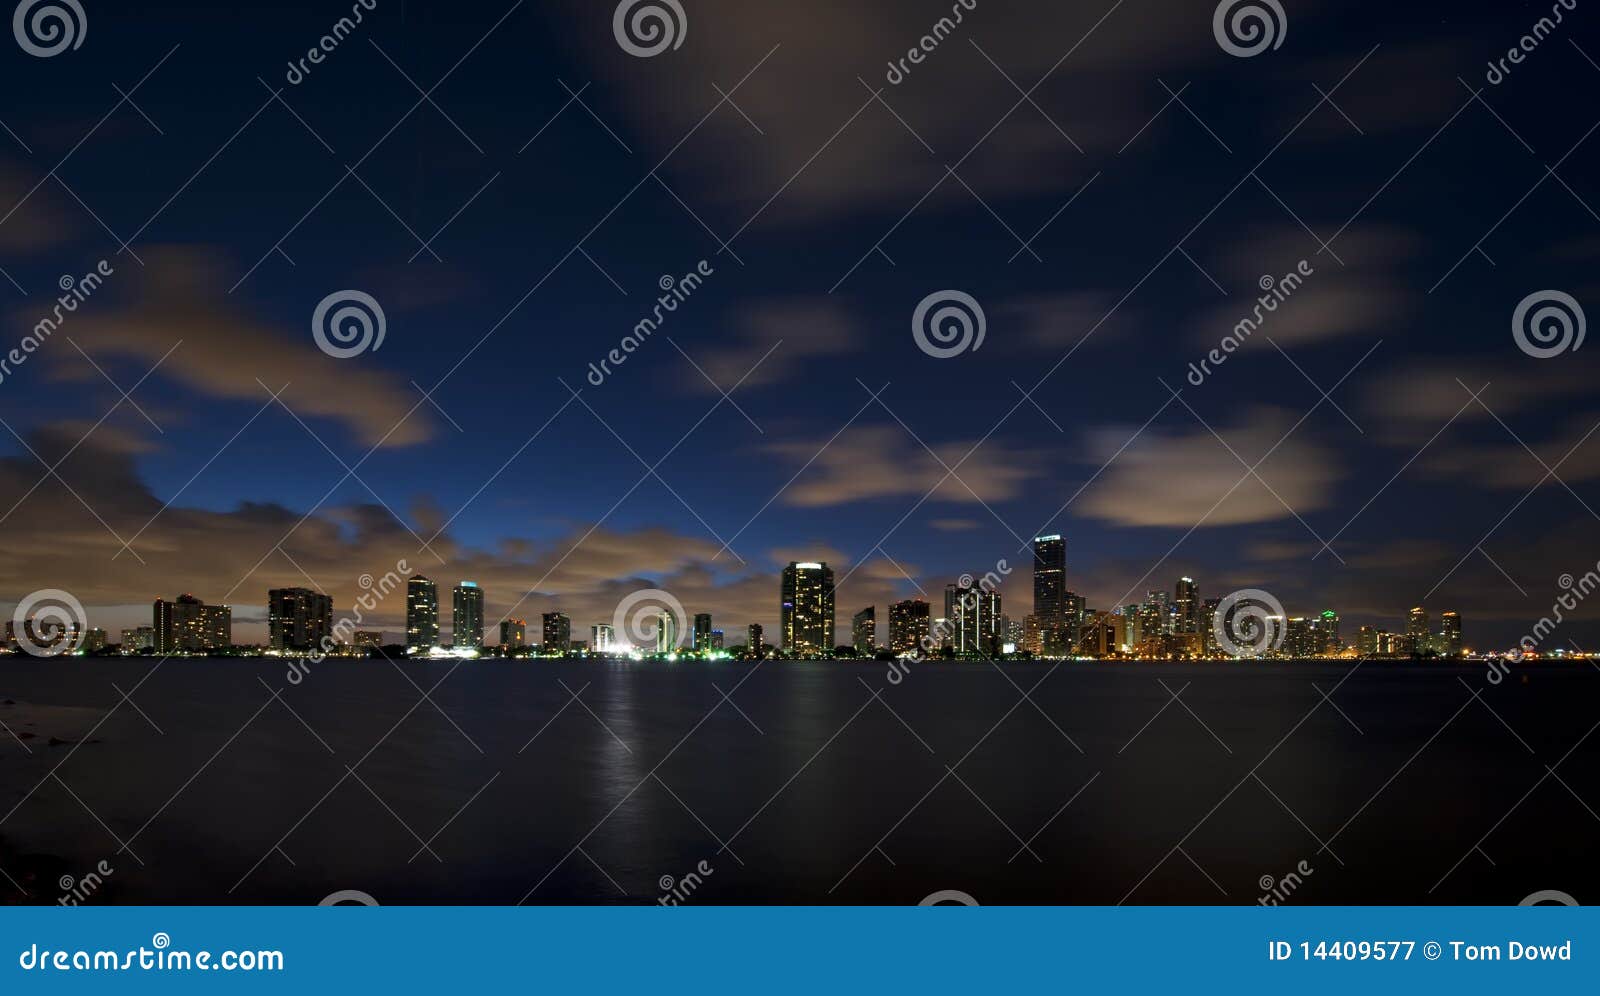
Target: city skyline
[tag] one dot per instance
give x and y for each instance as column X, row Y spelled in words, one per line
column 1176, row 624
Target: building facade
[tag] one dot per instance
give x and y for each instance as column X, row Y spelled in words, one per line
column 422, row 614
column 298, row 619
column 908, row 625
column 466, row 616
column 557, row 633
column 806, row 610
column 864, row 631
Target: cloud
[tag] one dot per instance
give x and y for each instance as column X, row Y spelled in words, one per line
column 1367, row 296
column 1061, row 320
column 227, row 353
column 831, row 149
column 35, row 221
column 1181, row 479
column 868, row 463
column 235, row 556
column 774, row 341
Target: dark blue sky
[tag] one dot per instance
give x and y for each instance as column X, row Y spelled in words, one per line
column 1182, row 204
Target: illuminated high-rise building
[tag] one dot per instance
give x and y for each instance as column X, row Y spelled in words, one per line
column 1186, row 607
column 1208, row 625
column 1327, row 632
column 188, row 625
column 1418, row 639
column 422, row 614
column 298, row 619
column 513, row 634
column 1450, row 634
column 864, row 631
column 600, row 637
column 972, row 615
column 702, row 632
column 753, row 638
column 466, row 616
column 806, row 610
column 666, row 633
column 908, row 625
column 1367, row 641
column 1049, row 580
column 557, row 632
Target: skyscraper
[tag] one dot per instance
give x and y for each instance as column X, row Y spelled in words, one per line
column 188, row 625
column 753, row 640
column 1187, row 606
column 666, row 633
column 600, row 635
column 1418, row 639
column 1050, row 580
column 298, row 619
column 513, row 634
column 1367, row 641
column 1328, row 632
column 864, row 631
column 557, row 633
column 806, row 612
column 422, row 614
column 973, row 615
column 908, row 625
column 466, row 616
column 1450, row 634
column 1208, row 624
column 702, row 632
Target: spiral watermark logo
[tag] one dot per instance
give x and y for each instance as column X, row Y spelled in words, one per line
column 949, row 897
column 638, row 618
column 161, row 940
column 948, row 323
column 348, row 323
column 349, row 897
column 1550, row 897
column 49, row 27
column 646, row 28
column 1249, row 623
column 1548, row 323
column 1249, row 27
column 49, row 622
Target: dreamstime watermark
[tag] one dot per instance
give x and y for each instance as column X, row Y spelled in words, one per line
column 676, row 290
column 1549, row 897
column 159, row 957
column 1548, row 323
column 949, row 897
column 948, row 323
column 1278, row 890
column 1573, row 592
column 676, row 891
column 374, row 591
column 646, row 28
column 77, row 891
column 75, row 291
column 1245, row 28
column 349, row 897
column 943, row 28
column 1249, row 623
column 49, row 622
column 49, row 27
column 972, row 590
column 348, row 323
column 638, row 619
column 1276, row 290
column 1543, row 28
column 343, row 28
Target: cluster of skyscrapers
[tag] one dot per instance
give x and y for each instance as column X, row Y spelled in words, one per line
column 1165, row 625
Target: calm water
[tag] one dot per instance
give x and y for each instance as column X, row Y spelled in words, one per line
column 819, row 792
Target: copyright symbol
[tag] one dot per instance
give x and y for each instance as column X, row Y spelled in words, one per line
column 1432, row 951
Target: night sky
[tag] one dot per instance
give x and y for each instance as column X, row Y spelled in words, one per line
column 1113, row 226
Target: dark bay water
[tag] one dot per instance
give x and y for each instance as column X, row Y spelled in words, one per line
column 820, row 792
